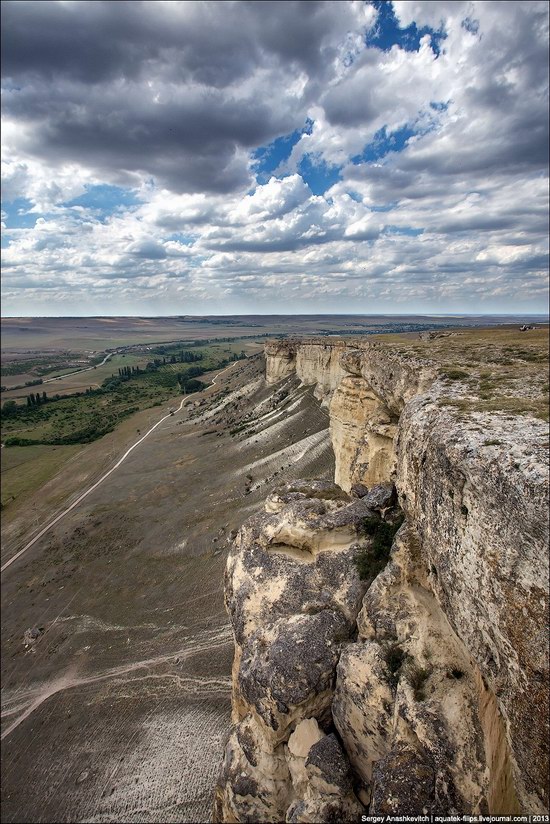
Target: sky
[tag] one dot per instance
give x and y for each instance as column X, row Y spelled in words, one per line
column 163, row 158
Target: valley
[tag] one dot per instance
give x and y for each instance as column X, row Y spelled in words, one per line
column 116, row 647
column 127, row 595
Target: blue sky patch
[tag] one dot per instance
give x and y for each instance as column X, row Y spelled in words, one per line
column 318, row 175
column 384, row 143
column 104, row 199
column 179, row 237
column 387, row 32
column 267, row 159
column 470, row 25
column 17, row 214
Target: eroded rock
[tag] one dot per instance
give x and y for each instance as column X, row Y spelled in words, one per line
column 440, row 701
column 293, row 594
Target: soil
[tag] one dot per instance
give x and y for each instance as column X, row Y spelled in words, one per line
column 118, row 710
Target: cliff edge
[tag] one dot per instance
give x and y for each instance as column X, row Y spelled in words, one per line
column 391, row 650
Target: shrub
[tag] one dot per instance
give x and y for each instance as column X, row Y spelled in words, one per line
column 454, row 374
column 373, row 557
column 239, row 429
column 382, row 534
column 394, row 657
column 15, row 441
column 192, row 385
column 9, row 409
column 417, row 677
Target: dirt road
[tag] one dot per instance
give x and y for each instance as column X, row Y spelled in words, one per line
column 77, row 371
column 105, row 476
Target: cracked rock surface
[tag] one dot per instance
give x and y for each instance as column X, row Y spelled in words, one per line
column 293, row 594
column 422, row 689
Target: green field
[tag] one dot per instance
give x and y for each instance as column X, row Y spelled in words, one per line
column 25, row 469
column 81, row 418
column 40, row 439
column 77, row 382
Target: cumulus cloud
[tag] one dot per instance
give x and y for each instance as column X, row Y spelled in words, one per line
column 440, row 156
column 175, row 90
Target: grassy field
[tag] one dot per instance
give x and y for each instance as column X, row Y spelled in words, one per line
column 498, row 370
column 55, row 431
column 99, row 333
column 79, row 334
column 86, row 417
column 25, row 469
column 78, row 382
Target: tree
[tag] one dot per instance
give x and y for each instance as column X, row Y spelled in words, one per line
column 9, row 409
column 192, row 386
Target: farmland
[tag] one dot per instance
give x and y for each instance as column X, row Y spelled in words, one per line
column 86, row 411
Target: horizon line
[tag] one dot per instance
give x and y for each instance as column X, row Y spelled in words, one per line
column 293, row 314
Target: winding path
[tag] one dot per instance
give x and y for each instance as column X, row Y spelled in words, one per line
column 77, row 371
column 105, row 476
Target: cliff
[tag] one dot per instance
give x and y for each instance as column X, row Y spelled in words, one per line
column 411, row 676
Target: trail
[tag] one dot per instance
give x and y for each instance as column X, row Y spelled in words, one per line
column 105, row 476
column 77, row 371
column 214, row 640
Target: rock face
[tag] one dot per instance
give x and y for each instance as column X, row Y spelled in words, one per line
column 424, row 690
column 363, row 432
column 480, row 523
column 293, row 594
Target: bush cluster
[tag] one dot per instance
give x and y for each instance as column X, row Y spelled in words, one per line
column 374, row 556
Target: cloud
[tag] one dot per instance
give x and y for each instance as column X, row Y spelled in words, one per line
column 440, row 157
column 181, row 92
column 148, row 250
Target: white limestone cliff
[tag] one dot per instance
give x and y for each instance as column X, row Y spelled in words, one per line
column 425, row 690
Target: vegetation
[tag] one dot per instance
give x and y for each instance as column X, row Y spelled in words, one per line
column 453, row 374
column 417, row 677
column 25, row 470
column 192, row 385
column 82, row 417
column 45, row 364
column 9, row 409
column 240, row 428
column 394, row 656
column 373, row 556
column 507, row 368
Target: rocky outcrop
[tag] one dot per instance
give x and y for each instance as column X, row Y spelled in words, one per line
column 484, row 537
column 405, row 702
column 316, row 362
column 365, row 388
column 422, row 687
column 293, row 594
column 363, row 432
